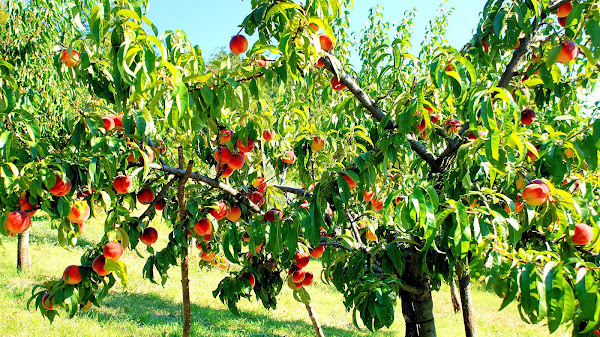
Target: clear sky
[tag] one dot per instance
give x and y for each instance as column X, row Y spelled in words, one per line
column 211, row 23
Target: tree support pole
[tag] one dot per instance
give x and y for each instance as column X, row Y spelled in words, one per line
column 311, row 312
column 23, row 257
column 181, row 216
column 464, row 284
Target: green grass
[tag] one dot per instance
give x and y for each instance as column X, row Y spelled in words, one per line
column 146, row 309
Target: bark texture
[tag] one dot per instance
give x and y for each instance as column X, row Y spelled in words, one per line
column 23, row 257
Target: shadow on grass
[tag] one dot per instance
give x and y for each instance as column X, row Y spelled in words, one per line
column 163, row 315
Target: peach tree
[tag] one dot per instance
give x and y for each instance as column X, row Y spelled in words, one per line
column 400, row 176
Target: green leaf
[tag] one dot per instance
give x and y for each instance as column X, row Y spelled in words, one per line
column 119, row 268
column 280, row 7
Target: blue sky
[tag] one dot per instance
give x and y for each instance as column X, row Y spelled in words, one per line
column 211, row 23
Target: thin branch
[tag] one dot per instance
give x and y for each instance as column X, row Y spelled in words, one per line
column 159, row 196
column 208, row 181
column 526, row 42
column 366, row 101
column 297, row 191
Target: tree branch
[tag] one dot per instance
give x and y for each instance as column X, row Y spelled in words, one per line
column 526, row 42
column 421, row 150
column 366, row 101
column 208, row 181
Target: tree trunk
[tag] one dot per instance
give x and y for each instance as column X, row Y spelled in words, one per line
column 23, row 257
column 418, row 314
column 181, row 216
column 454, row 294
column 311, row 313
column 185, row 289
column 417, row 304
column 464, row 284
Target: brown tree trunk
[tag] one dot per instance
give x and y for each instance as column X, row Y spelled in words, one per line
column 454, row 294
column 464, row 284
column 23, row 257
column 418, row 314
column 417, row 304
column 311, row 313
column 181, row 216
column 185, row 289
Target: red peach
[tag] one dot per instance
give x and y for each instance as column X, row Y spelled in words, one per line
column 80, row 212
column 145, row 196
column 317, row 252
column 268, row 135
column 236, row 161
column 203, row 227
column 220, row 212
column 70, row 59
column 245, row 148
column 234, row 214
column 317, row 144
column 122, row 184
column 149, row 236
column 289, row 157
column 47, row 301
column 160, row 204
column 238, row 44
column 98, row 265
column 17, row 222
column 72, row 275
column 113, row 250
column 225, row 136
column 302, row 259
column 336, row 84
column 583, row 234
column 568, row 52
column 222, row 155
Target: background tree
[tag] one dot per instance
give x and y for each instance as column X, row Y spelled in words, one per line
column 479, row 161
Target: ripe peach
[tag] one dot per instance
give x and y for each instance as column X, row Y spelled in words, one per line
column 298, row 276
column 80, row 212
column 238, row 44
column 289, row 157
column 273, row 215
column 119, row 122
column 336, row 84
column 220, row 212
column 250, row 277
column 109, row 122
column 268, row 135
column 564, row 10
column 350, row 181
column 207, row 256
column 260, row 184
column 245, row 148
column 377, row 204
column 160, row 204
column 122, row 184
column 17, row 222
column 145, row 196
column 569, row 153
column 70, row 59
column 236, row 161
column 486, row 47
column 257, row 198
column 149, row 236
column 98, row 265
column 302, row 259
column 535, row 194
column 61, row 187
column 434, row 118
column 308, row 278
column 371, row 236
column 225, row 136
column 527, row 116
column 47, row 301
column 203, row 227
column 317, row 144
column 422, row 125
column 313, row 27
column 27, row 207
column 562, row 22
column 320, row 63
column 583, row 234
column 234, row 213
column 113, row 250
column 326, row 42
column 222, row 155
column 317, row 252
column 261, row 62
column 224, row 170
column 72, row 275
column 368, row 196
column 568, row 52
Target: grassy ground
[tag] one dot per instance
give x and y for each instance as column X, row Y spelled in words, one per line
column 145, row 309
